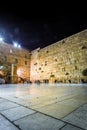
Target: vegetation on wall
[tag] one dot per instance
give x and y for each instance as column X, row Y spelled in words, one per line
column 52, row 75
column 84, row 72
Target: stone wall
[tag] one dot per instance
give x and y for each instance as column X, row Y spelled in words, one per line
column 63, row 61
column 17, row 60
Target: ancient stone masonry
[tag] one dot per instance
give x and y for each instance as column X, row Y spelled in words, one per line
column 63, row 61
column 14, row 62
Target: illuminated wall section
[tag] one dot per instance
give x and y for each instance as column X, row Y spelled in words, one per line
column 63, row 61
column 17, row 60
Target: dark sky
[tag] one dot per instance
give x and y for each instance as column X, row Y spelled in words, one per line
column 38, row 26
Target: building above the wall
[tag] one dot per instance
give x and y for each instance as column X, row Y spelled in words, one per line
column 15, row 62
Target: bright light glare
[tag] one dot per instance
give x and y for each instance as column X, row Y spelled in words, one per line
column 1, row 39
column 19, row 46
column 19, row 72
column 15, row 44
column 1, row 67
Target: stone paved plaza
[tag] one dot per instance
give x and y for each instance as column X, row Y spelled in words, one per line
column 43, row 107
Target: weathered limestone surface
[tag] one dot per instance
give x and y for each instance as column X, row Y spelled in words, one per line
column 70, row 127
column 18, row 111
column 63, row 61
column 6, row 125
column 6, row 105
column 39, row 122
column 79, row 117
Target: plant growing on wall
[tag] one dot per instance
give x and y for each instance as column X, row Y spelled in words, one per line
column 52, row 75
column 84, row 72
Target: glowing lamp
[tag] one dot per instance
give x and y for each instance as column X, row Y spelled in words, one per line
column 1, row 39
column 15, row 44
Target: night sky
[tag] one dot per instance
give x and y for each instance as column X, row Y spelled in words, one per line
column 37, row 26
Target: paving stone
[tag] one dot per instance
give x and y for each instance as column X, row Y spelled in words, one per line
column 7, row 105
column 27, row 97
column 57, row 101
column 42, row 104
column 2, row 100
column 56, row 110
column 17, row 100
column 17, row 113
column 84, row 107
column 78, row 118
column 39, row 122
column 6, row 125
column 73, row 102
column 70, row 127
column 81, row 98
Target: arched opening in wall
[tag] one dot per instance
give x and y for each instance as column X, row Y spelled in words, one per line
column 8, row 72
column 5, row 71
